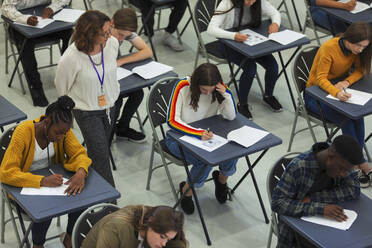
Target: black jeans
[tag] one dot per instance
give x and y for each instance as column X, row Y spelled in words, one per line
column 134, row 100
column 28, row 59
column 174, row 18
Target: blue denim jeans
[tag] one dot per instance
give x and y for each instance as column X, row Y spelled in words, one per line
column 227, row 168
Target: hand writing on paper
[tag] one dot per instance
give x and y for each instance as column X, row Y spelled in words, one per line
column 48, row 12
column 32, row 21
column 207, row 135
column 273, row 28
column 54, row 180
column 350, row 5
column 342, row 95
column 76, row 183
column 334, row 212
column 342, row 84
column 220, row 88
column 240, row 37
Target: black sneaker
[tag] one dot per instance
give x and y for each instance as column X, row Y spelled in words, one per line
column 244, row 110
column 187, row 204
column 273, row 103
column 221, row 190
column 364, row 179
column 38, row 97
column 131, row 135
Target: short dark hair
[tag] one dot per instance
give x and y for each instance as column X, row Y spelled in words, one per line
column 348, row 148
column 125, row 19
column 87, row 29
column 61, row 110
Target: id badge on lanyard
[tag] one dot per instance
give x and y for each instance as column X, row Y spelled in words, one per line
column 101, row 97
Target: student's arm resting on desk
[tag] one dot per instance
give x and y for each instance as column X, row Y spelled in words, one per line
column 347, row 190
column 227, row 107
column 217, row 20
column 284, row 200
column 174, row 120
column 144, row 52
column 336, row 4
column 11, row 167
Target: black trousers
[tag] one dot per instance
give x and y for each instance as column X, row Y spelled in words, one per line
column 28, row 58
column 174, row 18
column 134, row 100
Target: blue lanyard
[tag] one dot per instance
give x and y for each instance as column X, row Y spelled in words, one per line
column 103, row 68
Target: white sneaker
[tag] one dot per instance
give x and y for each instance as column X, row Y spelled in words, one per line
column 172, row 42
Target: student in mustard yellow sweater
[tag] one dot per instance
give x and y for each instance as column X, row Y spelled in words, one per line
column 346, row 59
column 33, row 144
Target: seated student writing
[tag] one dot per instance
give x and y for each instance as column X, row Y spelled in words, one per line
column 10, row 9
column 236, row 14
column 196, row 98
column 346, row 59
column 138, row 227
column 124, row 23
column 321, row 18
column 315, row 181
column 34, row 143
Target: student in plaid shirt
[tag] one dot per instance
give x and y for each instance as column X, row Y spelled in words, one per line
column 315, row 181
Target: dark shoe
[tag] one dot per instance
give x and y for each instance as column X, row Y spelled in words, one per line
column 187, row 204
column 132, row 135
column 364, row 179
column 273, row 104
column 221, row 190
column 38, row 97
column 244, row 110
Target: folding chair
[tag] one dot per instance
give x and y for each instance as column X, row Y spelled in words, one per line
column 300, row 73
column 88, row 219
column 283, row 3
column 272, row 180
column 157, row 107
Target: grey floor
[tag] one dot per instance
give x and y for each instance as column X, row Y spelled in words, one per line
column 238, row 223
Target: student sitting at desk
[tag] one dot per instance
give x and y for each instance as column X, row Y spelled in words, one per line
column 236, row 14
column 196, row 98
column 10, row 10
column 34, row 143
column 322, row 19
column 315, row 181
column 347, row 57
column 124, row 24
column 138, row 226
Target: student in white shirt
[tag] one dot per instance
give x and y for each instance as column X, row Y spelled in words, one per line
column 87, row 74
column 196, row 98
column 10, row 9
column 236, row 14
column 124, row 23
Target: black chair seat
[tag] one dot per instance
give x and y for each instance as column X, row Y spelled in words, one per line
column 214, row 49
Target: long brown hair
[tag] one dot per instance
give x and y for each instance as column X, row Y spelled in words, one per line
column 256, row 13
column 205, row 74
column 87, row 29
column 357, row 32
column 125, row 19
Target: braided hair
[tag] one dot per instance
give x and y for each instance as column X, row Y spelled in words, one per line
column 61, row 110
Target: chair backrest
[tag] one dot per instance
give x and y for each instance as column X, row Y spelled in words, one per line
column 4, row 141
column 158, row 101
column 88, row 219
column 302, row 66
column 203, row 12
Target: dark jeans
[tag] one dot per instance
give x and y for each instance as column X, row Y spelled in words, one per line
column 39, row 230
column 28, row 58
column 174, row 18
column 134, row 100
column 249, row 71
column 96, row 129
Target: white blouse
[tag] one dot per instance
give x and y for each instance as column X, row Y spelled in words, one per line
column 77, row 78
column 41, row 156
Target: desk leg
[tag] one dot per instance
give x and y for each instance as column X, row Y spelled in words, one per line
column 369, row 136
column 287, row 79
column 17, row 63
column 85, row 5
column 296, row 14
column 330, row 24
column 191, row 183
column 191, row 19
column 25, row 232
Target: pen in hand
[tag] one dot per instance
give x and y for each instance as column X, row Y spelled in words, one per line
column 50, row 170
column 343, row 88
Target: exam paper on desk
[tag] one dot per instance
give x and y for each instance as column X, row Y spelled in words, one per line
column 41, row 23
column 357, row 97
column 344, row 225
column 46, row 190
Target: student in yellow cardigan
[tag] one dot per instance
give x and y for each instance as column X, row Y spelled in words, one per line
column 33, row 144
column 345, row 59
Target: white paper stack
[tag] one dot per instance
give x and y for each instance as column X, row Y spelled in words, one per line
column 286, row 37
column 246, row 136
column 68, row 15
column 41, row 22
column 46, row 190
column 357, row 97
column 344, row 225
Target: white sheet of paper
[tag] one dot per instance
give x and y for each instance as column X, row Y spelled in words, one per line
column 208, row 145
column 253, row 37
column 68, row 15
column 46, row 190
column 359, row 7
column 151, row 70
column 41, row 24
column 122, row 73
column 321, row 220
column 357, row 97
column 246, row 136
column 285, row 37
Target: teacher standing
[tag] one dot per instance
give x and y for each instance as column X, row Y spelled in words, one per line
column 87, row 74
